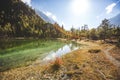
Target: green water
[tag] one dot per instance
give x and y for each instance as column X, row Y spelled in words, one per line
column 16, row 53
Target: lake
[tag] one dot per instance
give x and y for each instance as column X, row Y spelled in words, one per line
column 61, row 51
column 16, row 53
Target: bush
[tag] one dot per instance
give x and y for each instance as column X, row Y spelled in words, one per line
column 118, row 44
column 57, row 64
column 94, row 50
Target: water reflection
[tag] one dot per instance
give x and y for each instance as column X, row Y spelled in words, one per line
column 61, row 51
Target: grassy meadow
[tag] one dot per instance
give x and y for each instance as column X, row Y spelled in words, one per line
column 16, row 53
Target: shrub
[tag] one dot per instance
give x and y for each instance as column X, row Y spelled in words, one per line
column 118, row 44
column 57, row 64
column 94, row 50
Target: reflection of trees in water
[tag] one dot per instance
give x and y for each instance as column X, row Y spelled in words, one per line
column 71, row 47
column 62, row 48
column 74, row 45
column 10, row 43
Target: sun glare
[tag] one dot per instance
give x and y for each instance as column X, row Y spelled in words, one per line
column 79, row 7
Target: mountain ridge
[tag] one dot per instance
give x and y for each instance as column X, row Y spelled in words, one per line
column 115, row 20
column 45, row 17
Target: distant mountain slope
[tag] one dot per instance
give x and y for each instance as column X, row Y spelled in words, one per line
column 45, row 17
column 115, row 20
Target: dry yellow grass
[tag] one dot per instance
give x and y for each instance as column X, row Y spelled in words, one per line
column 92, row 66
column 115, row 52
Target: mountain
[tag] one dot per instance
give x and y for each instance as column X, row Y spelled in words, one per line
column 19, row 20
column 45, row 17
column 115, row 20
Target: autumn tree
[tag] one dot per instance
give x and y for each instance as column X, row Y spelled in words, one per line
column 93, row 34
column 103, row 29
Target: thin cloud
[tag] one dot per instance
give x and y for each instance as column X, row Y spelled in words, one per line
column 27, row 2
column 110, row 7
column 49, row 14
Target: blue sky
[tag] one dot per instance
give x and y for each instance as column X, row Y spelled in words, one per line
column 76, row 13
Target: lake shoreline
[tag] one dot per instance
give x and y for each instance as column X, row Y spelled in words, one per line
column 78, row 64
column 23, row 53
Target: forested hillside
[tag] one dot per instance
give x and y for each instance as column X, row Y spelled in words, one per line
column 19, row 20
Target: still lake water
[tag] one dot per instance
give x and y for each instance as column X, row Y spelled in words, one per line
column 61, row 51
column 17, row 53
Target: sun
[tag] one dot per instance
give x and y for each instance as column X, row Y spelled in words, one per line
column 79, row 7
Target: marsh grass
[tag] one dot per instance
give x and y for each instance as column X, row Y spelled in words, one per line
column 26, row 52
